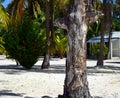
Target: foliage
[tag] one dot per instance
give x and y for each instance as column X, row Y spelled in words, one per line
column 60, row 4
column 95, row 48
column 4, row 17
column 2, row 49
column 97, row 5
column 3, row 23
column 116, row 24
column 23, row 42
column 94, row 29
column 116, row 6
column 61, row 45
column 17, row 8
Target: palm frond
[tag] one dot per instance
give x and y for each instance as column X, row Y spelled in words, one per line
column 61, row 45
column 17, row 8
column 4, row 16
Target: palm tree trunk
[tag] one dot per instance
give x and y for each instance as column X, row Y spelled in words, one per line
column 100, row 61
column 110, row 10
column 52, row 37
column 104, row 27
column 46, row 60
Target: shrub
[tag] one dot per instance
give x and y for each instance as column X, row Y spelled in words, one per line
column 24, row 42
column 61, row 45
column 95, row 48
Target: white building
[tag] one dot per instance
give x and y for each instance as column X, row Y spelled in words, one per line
column 114, row 44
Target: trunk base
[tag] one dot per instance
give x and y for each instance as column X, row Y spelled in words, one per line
column 100, row 63
column 45, row 66
column 77, row 93
column 62, row 96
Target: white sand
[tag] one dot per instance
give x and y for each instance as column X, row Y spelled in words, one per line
column 15, row 82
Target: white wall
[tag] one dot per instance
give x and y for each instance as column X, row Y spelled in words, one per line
column 115, row 48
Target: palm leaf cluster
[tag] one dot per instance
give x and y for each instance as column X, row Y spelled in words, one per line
column 4, row 16
column 17, row 8
column 61, row 45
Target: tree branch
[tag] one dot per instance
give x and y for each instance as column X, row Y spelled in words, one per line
column 91, row 14
column 61, row 22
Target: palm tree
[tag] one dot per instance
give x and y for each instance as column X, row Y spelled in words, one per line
column 106, row 26
column 17, row 8
column 50, row 40
column 46, row 60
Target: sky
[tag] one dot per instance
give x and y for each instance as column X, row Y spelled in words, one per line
column 6, row 2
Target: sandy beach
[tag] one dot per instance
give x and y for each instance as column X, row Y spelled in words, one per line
column 15, row 82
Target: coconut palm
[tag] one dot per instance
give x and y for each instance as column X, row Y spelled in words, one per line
column 50, row 8
column 18, row 7
column 48, row 16
column 4, row 16
column 106, row 26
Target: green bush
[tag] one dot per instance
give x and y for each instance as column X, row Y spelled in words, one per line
column 95, row 48
column 61, row 45
column 24, row 42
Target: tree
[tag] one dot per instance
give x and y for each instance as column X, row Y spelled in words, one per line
column 24, row 42
column 17, row 9
column 105, row 27
column 46, row 60
column 79, row 15
column 50, row 35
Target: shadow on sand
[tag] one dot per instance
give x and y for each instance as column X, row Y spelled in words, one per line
column 10, row 94
column 14, row 69
column 57, row 69
column 104, row 69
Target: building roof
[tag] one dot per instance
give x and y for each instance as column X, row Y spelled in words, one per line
column 115, row 36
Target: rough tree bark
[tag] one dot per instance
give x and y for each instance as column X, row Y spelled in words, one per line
column 80, row 15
